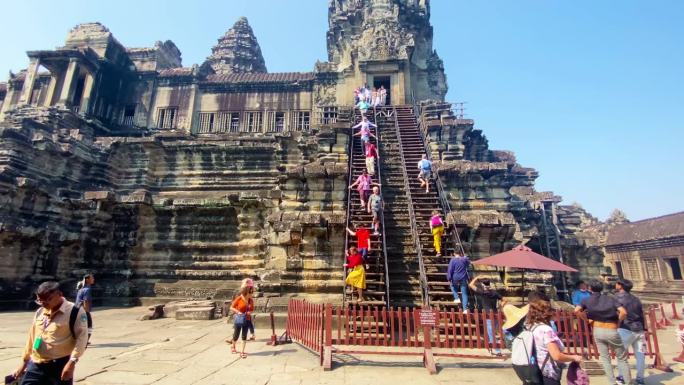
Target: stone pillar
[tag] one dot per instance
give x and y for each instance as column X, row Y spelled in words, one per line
column 69, row 85
column 193, row 109
column 30, row 81
column 7, row 104
column 87, row 92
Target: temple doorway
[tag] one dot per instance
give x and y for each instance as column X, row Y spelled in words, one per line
column 385, row 82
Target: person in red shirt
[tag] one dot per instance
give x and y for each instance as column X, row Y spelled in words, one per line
column 371, row 155
column 362, row 235
column 357, row 276
column 242, row 307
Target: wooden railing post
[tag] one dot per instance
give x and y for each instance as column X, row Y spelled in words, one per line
column 658, row 362
column 427, row 321
column 674, row 311
column 327, row 337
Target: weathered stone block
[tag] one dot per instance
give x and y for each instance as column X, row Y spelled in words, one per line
column 196, row 313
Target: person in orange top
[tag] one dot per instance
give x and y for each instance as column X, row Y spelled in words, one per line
column 242, row 307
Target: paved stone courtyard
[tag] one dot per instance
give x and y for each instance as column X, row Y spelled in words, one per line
column 169, row 352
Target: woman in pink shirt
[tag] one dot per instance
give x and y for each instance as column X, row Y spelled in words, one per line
column 363, row 185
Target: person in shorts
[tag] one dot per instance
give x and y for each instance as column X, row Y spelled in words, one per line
column 425, row 167
column 375, row 204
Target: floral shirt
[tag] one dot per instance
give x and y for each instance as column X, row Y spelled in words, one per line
column 543, row 335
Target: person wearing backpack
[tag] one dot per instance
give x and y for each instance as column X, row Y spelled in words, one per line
column 84, row 299
column 548, row 346
column 57, row 339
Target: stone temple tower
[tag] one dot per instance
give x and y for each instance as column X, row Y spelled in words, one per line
column 389, row 43
column 237, row 51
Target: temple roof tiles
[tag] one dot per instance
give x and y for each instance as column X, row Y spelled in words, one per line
column 274, row 77
column 173, row 72
column 666, row 226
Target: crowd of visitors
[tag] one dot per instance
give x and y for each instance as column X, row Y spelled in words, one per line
column 617, row 324
column 372, row 97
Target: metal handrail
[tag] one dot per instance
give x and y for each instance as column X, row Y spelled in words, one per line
column 412, row 217
column 349, row 204
column 438, row 181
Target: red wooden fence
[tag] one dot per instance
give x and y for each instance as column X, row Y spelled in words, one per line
column 328, row 330
column 305, row 324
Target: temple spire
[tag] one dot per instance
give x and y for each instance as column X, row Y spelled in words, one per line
column 237, row 51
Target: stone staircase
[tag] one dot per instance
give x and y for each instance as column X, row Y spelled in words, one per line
column 412, row 145
column 376, row 288
column 402, row 256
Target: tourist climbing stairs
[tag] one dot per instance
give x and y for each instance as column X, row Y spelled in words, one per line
column 403, row 254
column 437, row 287
column 376, row 274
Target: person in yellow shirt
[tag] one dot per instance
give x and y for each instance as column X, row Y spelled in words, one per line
column 54, row 346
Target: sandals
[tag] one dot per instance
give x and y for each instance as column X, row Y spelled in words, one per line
column 252, row 338
column 233, row 350
column 243, row 355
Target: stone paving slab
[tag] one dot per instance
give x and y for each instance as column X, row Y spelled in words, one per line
column 175, row 352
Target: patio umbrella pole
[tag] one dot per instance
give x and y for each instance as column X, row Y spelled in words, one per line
column 523, row 286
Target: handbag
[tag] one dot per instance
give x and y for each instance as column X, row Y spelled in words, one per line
column 239, row 319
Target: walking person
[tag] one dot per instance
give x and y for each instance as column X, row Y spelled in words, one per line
column 249, row 282
column 367, row 94
column 362, row 235
column 490, row 301
column 605, row 313
column 364, row 130
column 437, row 230
column 457, row 275
column 631, row 329
column 371, row 156
column 580, row 293
column 375, row 204
column 549, row 347
column 425, row 167
column 383, row 96
column 356, row 278
column 56, row 341
column 242, row 308
column 363, row 185
column 84, row 299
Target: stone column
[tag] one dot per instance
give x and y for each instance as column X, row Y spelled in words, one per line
column 51, row 90
column 30, row 81
column 87, row 92
column 68, row 87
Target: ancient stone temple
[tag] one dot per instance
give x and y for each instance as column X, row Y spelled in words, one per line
column 175, row 181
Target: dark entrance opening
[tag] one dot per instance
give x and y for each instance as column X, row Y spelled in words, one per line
column 78, row 95
column 676, row 268
column 383, row 81
column 618, row 267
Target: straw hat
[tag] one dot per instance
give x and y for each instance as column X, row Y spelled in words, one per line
column 514, row 314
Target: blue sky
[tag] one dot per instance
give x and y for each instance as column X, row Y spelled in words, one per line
column 590, row 93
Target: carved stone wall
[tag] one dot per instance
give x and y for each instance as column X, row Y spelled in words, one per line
column 169, row 215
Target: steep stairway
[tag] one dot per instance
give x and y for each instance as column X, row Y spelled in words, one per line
column 376, row 275
column 404, row 266
column 423, row 203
